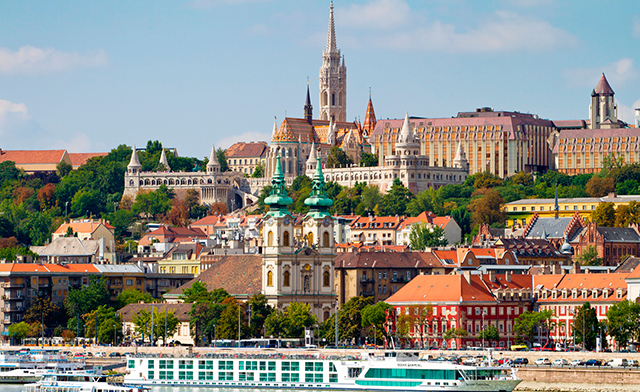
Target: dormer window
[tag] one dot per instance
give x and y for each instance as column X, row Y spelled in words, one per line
column 564, row 294
column 594, row 293
column 619, row 294
column 574, row 294
column 584, row 294
column 605, row 293
column 554, row 294
column 544, row 294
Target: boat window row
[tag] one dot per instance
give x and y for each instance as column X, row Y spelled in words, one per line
column 423, row 374
column 242, row 376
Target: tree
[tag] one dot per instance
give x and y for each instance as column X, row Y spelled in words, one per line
column 427, row 200
column 68, row 336
column 258, row 171
column 121, row 220
column 204, row 320
column 198, row 293
column 490, row 333
column 86, row 299
column 63, row 169
column 108, row 324
column 151, row 203
column 371, row 198
column 395, row 201
column 522, row 178
column 222, row 159
column 19, row 330
column 585, row 326
column 43, row 309
column 290, row 323
column 368, row 160
column 604, row 215
column 376, row 316
column 589, row 256
column 487, row 208
column 228, row 324
column 423, row 236
column 143, row 323
column 46, row 196
column 485, row 180
column 623, row 322
column 600, row 186
column 132, row 296
column 350, row 318
column 455, row 333
column 338, row 158
column 525, row 325
column 259, row 311
column 275, row 324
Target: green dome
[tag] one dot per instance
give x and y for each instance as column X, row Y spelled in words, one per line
column 318, row 200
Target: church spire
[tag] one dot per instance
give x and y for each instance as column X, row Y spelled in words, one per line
column 164, row 162
column 278, row 199
column 213, row 165
column 308, row 108
column 134, row 163
column 318, row 200
column 369, row 118
column 331, row 35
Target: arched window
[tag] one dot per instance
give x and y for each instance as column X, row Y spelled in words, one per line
column 333, row 99
column 270, row 278
column 310, row 238
column 325, row 239
column 286, row 279
column 285, row 238
column 270, row 239
column 325, row 279
column 326, row 315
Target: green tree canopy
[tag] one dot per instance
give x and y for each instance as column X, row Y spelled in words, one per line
column 292, row 322
column 423, row 236
column 133, row 296
column 585, row 325
column 589, row 256
column 163, row 323
column 368, row 160
column 395, row 201
column 623, row 322
column 338, row 158
column 604, row 214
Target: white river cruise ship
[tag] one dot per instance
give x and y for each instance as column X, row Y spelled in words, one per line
column 381, row 370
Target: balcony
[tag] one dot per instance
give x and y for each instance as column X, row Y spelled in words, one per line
column 366, row 280
column 367, row 293
column 12, row 285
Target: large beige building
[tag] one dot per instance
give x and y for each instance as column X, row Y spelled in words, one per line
column 499, row 142
column 244, row 157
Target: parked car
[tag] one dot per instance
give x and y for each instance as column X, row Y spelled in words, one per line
column 632, row 362
column 519, row 361
column 101, row 354
column 575, row 362
column 114, row 354
column 560, row 362
column 592, row 362
column 618, row 362
column 542, row 361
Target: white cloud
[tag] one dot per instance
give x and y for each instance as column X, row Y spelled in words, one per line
column 635, row 27
column 502, row 31
column 617, row 73
column 378, row 14
column 10, row 109
column 32, row 60
column 626, row 113
column 79, row 142
column 243, row 137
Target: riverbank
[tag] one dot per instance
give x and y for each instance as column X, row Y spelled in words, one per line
column 535, row 386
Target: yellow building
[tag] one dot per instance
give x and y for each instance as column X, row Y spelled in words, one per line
column 183, row 259
column 566, row 207
column 244, row 157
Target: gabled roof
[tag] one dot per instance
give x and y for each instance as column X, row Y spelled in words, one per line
column 242, row 149
column 238, row 274
column 442, row 288
column 25, row 157
column 208, row 220
column 580, row 282
column 70, row 246
column 387, row 260
column 552, row 227
column 619, row 234
column 80, row 158
column 83, row 227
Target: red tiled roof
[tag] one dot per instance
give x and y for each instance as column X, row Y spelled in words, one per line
column 80, row 158
column 603, row 86
column 32, row 267
column 442, row 288
column 387, row 260
column 208, row 220
column 367, row 222
column 242, row 149
column 26, row 157
column 83, row 227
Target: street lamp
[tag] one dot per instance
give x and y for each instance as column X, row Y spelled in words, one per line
column 66, row 204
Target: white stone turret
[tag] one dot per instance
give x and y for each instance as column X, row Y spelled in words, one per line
column 163, row 161
column 134, row 166
column 331, row 136
column 460, row 161
column 213, row 166
column 407, row 144
column 310, row 165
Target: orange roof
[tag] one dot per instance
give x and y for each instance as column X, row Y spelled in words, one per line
column 582, row 281
column 441, row 288
column 80, row 158
column 26, row 157
column 58, row 268
column 83, row 227
column 634, row 274
column 207, row 220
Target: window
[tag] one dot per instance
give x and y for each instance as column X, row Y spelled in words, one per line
column 285, row 238
column 270, row 239
column 270, row 278
column 326, row 279
column 129, row 282
column 286, row 279
column 325, row 240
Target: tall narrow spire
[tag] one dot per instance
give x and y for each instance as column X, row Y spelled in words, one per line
column 331, row 35
column 274, row 133
column 213, row 165
column 369, row 118
column 134, row 163
column 164, row 162
column 308, row 108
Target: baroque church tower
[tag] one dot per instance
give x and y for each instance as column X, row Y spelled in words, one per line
column 333, row 79
column 299, row 270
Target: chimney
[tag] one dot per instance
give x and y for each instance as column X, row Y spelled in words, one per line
column 507, row 276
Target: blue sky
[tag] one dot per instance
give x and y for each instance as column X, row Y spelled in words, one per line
column 90, row 75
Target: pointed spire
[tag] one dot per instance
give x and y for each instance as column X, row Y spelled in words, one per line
column 308, row 108
column 331, row 135
column 369, row 118
column 134, row 162
column 331, row 36
column 274, row 133
column 405, row 133
column 603, row 87
column 213, row 163
column 312, row 154
column 278, row 199
column 163, row 161
column 318, row 200
column 543, row 236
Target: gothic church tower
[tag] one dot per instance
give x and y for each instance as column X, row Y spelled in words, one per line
column 333, row 79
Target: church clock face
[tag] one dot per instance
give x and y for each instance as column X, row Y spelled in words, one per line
column 286, row 221
column 326, row 221
column 307, row 267
column 270, row 220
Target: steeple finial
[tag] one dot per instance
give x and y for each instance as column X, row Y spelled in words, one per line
column 278, row 200
column 308, row 108
column 318, row 200
column 331, row 36
column 274, row 133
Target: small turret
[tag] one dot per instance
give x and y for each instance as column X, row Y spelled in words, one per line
column 331, row 135
column 460, row 161
column 311, row 162
column 213, row 166
column 163, row 164
column 134, row 166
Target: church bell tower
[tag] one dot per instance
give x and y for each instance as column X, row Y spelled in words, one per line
column 333, row 79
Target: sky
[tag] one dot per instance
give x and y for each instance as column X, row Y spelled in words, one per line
column 88, row 76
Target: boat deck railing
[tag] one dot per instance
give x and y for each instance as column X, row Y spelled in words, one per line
column 298, row 357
